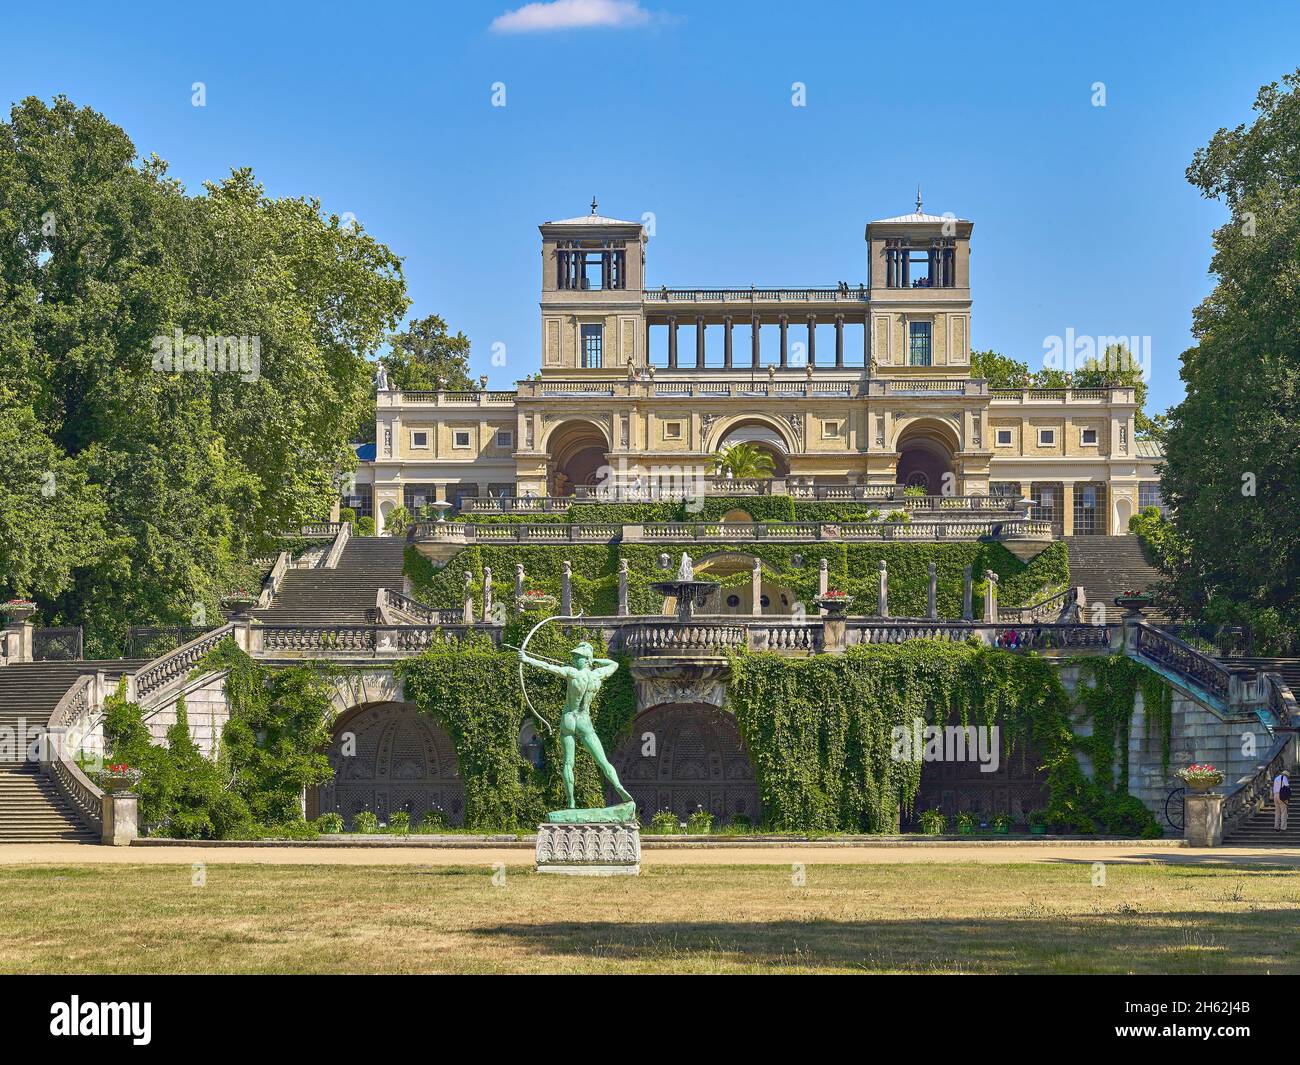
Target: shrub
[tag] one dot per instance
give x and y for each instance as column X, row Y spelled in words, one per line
column 965, row 822
column 664, row 823
column 365, row 823
column 348, row 516
column 330, row 824
column 740, row 821
column 399, row 823
column 933, row 822
column 915, row 490
column 700, row 823
column 398, row 521
column 365, row 526
column 433, row 821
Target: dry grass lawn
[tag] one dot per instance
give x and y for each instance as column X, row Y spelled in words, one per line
column 948, row 918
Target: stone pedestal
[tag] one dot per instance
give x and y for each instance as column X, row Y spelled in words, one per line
column 1203, row 819
column 589, row 849
column 121, row 822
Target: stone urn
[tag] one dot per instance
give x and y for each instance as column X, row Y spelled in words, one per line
column 18, row 609
column 834, row 605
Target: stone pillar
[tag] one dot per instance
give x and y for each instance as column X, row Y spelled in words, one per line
column 882, row 594
column 20, row 639
column 785, row 348
column 1203, row 819
column 672, row 343
column 121, row 819
column 932, row 600
column 834, row 635
column 756, row 587
column 467, row 610
column 566, row 588
column 754, row 342
column 839, row 341
column 990, row 597
column 623, row 610
column 726, row 342
column 823, row 581
column 699, row 343
column 812, row 340
column 968, row 595
column 487, row 594
column 1067, row 509
column 519, row 579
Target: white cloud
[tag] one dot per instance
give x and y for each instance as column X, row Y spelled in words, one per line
column 543, row 17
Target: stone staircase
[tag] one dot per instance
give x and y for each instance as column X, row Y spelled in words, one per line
column 1258, row 830
column 1108, row 566
column 1288, row 667
column 31, row 808
column 343, row 595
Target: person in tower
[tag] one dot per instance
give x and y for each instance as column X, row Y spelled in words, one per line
column 1281, row 799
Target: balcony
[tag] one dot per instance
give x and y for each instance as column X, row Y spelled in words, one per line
column 838, row 294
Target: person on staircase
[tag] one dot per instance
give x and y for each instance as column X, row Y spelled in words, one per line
column 1281, row 799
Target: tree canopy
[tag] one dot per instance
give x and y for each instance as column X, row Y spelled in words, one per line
column 1232, row 471
column 181, row 372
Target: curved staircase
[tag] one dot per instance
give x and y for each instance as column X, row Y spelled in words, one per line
column 32, row 809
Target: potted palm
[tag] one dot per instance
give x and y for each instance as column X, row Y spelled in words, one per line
column 744, row 460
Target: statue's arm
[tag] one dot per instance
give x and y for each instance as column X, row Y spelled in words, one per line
column 604, row 667
column 550, row 667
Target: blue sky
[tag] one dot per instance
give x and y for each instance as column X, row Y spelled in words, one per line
column 1083, row 219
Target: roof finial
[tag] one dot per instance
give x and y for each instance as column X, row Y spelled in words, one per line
column 918, row 199
column 593, row 205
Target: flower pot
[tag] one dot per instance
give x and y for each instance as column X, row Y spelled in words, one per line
column 1202, row 785
column 1038, row 830
column 112, row 785
column 18, row 611
column 966, row 830
column 1002, row 830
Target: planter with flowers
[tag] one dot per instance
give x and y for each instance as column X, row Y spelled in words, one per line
column 834, row 602
column 19, row 609
column 533, row 601
column 118, row 776
column 239, row 603
column 1200, row 776
column 1134, row 602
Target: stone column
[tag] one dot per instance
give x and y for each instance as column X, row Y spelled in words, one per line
column 968, row 595
column 882, row 594
column 467, row 611
column 487, row 594
column 699, row 343
column 672, row 343
column 519, row 579
column 823, row 579
column 785, row 349
column 990, row 597
column 839, row 341
column 754, row 341
column 932, row 601
column 566, row 588
column 756, row 587
column 121, row 818
column 812, row 340
column 1203, row 819
column 726, row 342
column 1067, row 509
column 623, row 610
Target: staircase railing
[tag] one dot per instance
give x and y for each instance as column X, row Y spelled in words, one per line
column 68, row 726
column 331, row 559
column 1252, row 790
column 1063, row 607
column 389, row 599
column 273, row 579
column 176, row 665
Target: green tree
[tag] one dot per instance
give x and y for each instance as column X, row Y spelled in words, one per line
column 1001, row 371
column 426, row 357
column 200, row 449
column 1232, row 470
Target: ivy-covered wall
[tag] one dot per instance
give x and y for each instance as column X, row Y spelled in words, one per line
column 852, row 568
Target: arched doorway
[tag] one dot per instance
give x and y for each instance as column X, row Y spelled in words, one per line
column 763, row 436
column 737, row 597
column 926, row 452
column 1018, row 786
column 698, row 761
column 578, row 450
column 397, row 759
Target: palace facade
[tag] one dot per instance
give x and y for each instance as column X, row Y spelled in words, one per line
column 852, row 389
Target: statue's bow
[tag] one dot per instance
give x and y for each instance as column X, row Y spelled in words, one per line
column 523, row 646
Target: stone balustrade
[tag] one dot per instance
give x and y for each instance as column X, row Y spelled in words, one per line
column 955, row 529
column 892, row 495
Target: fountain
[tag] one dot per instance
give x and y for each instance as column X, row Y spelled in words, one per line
column 685, row 588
